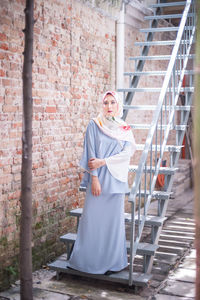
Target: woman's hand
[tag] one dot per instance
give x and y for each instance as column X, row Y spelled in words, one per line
column 95, row 163
column 96, row 186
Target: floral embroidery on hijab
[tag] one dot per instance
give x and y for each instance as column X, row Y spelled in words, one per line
column 115, row 127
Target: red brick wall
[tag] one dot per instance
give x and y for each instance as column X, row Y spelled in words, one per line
column 74, row 63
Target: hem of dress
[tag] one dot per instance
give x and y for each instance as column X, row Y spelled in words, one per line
column 96, row 273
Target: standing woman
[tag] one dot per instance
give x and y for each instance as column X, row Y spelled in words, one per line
column 100, row 247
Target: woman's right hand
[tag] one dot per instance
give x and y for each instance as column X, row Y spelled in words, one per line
column 96, row 186
column 95, row 163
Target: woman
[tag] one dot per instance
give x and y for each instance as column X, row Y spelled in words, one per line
column 100, row 247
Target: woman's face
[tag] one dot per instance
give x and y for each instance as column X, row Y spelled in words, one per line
column 110, row 106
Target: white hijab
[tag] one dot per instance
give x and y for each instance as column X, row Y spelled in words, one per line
column 115, row 127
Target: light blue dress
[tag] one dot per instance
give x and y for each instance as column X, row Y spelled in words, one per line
column 101, row 243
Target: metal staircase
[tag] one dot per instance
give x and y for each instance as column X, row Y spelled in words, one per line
column 164, row 120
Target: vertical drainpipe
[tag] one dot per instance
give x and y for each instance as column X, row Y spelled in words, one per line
column 120, row 48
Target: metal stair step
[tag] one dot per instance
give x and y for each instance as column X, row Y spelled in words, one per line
column 68, row 237
column 183, row 223
column 155, row 73
column 159, row 29
column 161, row 43
column 168, row 4
column 171, row 249
column 155, row 90
column 184, row 244
column 146, row 90
column 139, row 279
column 159, row 195
column 150, row 220
column 177, row 232
column 189, row 220
column 163, row 170
column 169, row 257
column 77, row 212
column 173, row 236
column 163, row 29
column 163, row 127
column 170, row 16
column 181, row 228
column 170, row 148
column 165, row 265
column 143, row 248
column 153, row 107
column 146, row 73
column 160, row 57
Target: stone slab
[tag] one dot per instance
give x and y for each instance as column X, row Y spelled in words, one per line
column 38, row 294
column 72, row 288
column 168, row 297
column 192, row 254
column 179, row 288
column 89, row 288
column 185, row 275
column 189, row 263
column 184, row 198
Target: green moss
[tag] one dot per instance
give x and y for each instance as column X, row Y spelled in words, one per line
column 67, row 213
column 18, row 220
column 11, row 270
column 4, row 241
column 9, row 274
column 44, row 251
column 38, row 225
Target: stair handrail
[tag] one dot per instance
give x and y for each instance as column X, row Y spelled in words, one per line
column 168, row 86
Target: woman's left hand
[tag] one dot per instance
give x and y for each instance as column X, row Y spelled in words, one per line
column 95, row 163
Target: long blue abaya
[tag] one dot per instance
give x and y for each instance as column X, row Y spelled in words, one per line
column 101, row 243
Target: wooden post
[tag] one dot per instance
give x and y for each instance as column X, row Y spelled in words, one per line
column 26, row 174
column 197, row 151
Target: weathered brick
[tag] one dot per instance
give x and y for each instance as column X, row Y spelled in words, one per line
column 5, row 179
column 17, row 125
column 3, row 37
column 50, row 109
column 3, row 46
column 2, row 73
column 6, row 82
column 9, row 108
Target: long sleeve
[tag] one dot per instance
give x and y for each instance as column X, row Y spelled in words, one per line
column 89, row 150
column 118, row 164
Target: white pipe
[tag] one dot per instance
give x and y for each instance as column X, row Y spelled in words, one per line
column 120, row 48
